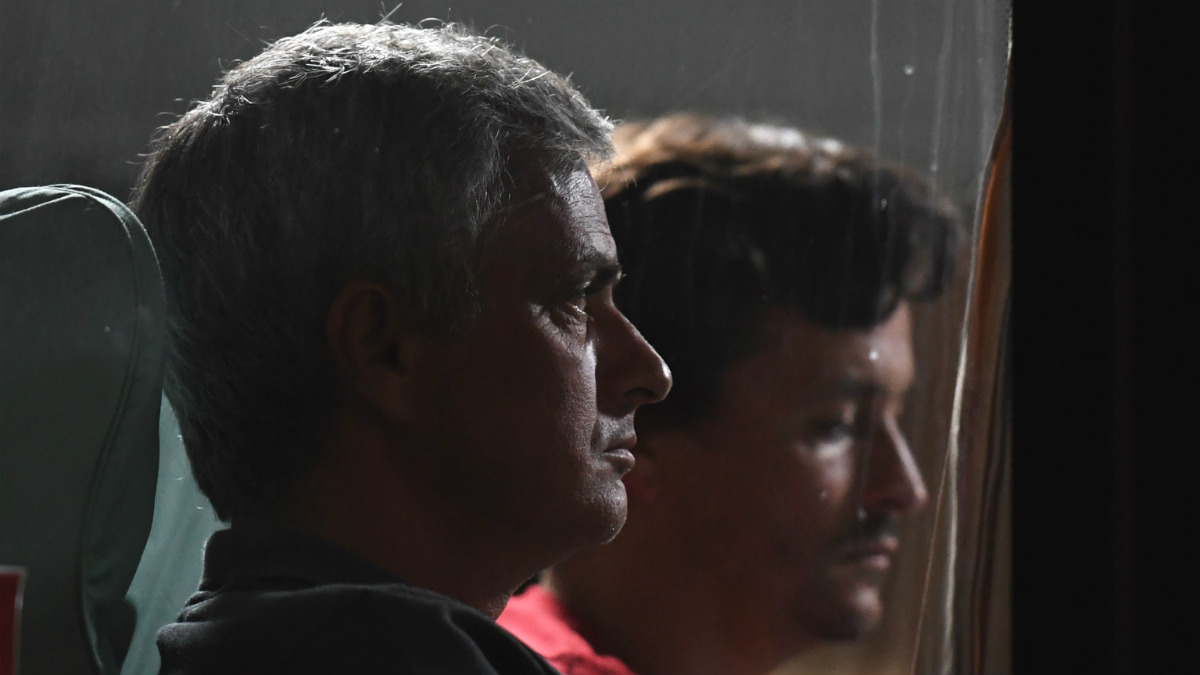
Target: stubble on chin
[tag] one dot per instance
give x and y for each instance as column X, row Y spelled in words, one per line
column 846, row 611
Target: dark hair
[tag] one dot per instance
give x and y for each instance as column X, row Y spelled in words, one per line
column 348, row 151
column 717, row 220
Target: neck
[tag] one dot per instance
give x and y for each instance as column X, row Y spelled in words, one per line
column 355, row 497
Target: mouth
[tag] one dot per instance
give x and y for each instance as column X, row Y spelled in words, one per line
column 620, row 454
column 874, row 553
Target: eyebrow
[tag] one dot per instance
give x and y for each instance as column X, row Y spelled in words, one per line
column 603, row 268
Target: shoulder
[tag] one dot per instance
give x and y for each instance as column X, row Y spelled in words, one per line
column 543, row 622
column 341, row 628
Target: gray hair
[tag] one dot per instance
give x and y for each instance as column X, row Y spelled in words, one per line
column 384, row 152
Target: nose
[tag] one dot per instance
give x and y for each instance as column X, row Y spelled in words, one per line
column 629, row 372
column 893, row 483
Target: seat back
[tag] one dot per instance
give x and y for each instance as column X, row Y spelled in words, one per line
column 81, row 330
column 172, row 562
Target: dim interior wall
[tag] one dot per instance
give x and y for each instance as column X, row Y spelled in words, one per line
column 86, row 83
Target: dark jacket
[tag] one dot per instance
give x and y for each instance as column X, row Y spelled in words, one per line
column 273, row 601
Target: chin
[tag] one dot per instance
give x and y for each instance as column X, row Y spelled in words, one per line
column 865, row 612
column 851, row 618
column 600, row 516
column 613, row 514
column 848, row 628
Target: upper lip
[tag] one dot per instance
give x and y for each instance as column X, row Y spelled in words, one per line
column 625, row 443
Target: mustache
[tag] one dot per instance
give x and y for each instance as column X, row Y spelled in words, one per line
column 609, row 432
column 873, row 528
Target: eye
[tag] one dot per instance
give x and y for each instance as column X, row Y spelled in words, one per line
column 580, row 302
column 576, row 303
column 599, row 286
column 833, row 430
column 848, row 421
column 579, row 297
column 572, row 310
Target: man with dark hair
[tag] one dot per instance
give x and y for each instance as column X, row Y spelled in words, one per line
column 774, row 272
column 393, row 348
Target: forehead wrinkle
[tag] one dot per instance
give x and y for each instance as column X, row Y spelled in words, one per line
column 558, row 254
column 553, row 188
column 585, row 247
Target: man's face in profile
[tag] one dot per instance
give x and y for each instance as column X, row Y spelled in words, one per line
column 532, row 411
column 789, row 493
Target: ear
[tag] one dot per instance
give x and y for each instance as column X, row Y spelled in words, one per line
column 371, row 347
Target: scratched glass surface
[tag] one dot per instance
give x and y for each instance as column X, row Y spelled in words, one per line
column 918, row 82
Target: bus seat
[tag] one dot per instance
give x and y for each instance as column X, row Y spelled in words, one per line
column 173, row 560
column 81, row 331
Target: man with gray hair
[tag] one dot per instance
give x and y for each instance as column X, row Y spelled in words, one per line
column 392, row 348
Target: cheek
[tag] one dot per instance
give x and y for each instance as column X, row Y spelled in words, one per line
column 832, row 482
column 551, row 366
column 809, row 499
column 578, row 369
column 567, row 388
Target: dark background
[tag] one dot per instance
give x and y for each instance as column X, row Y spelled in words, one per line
column 85, row 82
column 1105, row 353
